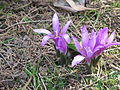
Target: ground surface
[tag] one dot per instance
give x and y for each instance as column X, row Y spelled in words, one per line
column 26, row 65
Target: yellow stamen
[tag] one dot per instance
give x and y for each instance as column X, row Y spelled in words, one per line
column 56, row 35
column 81, row 49
column 80, row 43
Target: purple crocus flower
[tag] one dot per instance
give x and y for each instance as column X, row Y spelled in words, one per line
column 92, row 45
column 59, row 36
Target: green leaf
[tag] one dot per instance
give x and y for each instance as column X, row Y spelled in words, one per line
column 3, row 4
column 28, row 72
column 26, row 19
column 71, row 46
column 7, row 40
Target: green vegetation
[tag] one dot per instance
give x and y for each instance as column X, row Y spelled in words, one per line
column 46, row 72
column 116, row 4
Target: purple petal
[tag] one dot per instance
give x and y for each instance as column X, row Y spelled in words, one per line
column 67, row 38
column 66, row 27
column 61, row 45
column 56, row 25
column 85, row 37
column 102, row 48
column 77, row 44
column 99, row 49
column 102, row 35
column 111, row 44
column 88, row 60
column 98, row 52
column 89, row 52
column 92, row 40
column 111, row 38
column 78, row 47
column 77, row 59
column 56, row 42
column 45, row 39
column 41, row 31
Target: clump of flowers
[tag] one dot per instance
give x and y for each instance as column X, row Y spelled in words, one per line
column 92, row 45
column 58, row 36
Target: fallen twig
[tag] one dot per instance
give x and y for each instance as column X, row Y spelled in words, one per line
column 22, row 23
column 23, row 6
column 24, row 88
column 115, row 67
column 26, row 23
column 42, row 81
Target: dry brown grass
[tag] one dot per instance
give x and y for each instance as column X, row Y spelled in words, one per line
column 20, row 46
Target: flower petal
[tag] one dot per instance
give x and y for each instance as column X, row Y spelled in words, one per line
column 66, row 27
column 78, row 47
column 92, row 40
column 85, row 37
column 98, row 52
column 56, row 42
column 100, row 49
column 89, row 52
column 41, row 31
column 45, row 39
column 102, row 35
column 67, row 38
column 111, row 38
column 88, row 60
column 111, row 44
column 77, row 44
column 61, row 45
column 77, row 59
column 56, row 25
